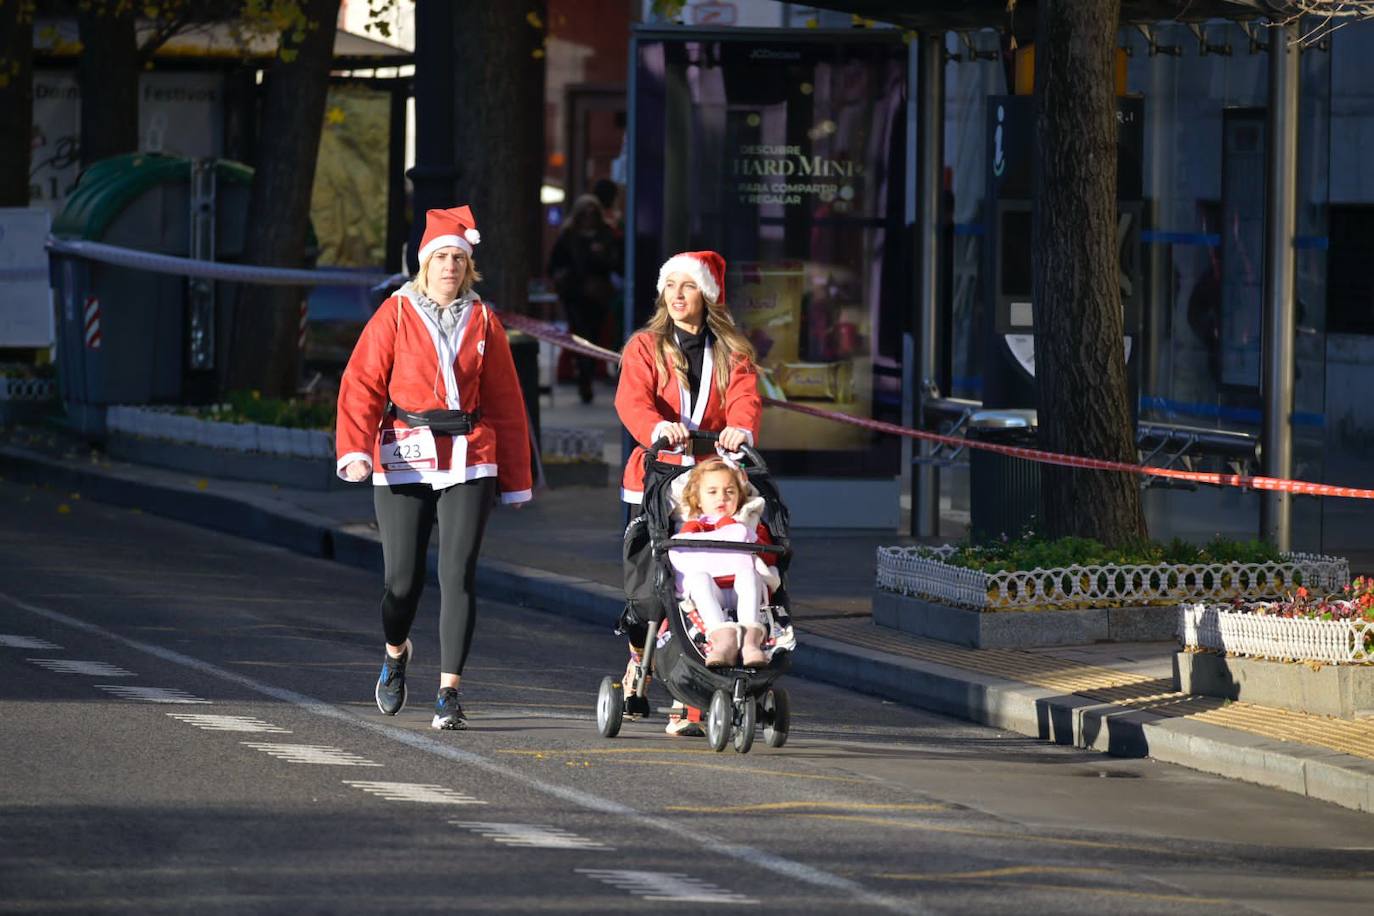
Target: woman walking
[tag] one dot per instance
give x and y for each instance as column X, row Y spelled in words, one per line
column 431, row 409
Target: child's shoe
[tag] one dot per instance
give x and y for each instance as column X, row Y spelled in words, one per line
column 634, row 671
column 754, row 656
column 724, row 647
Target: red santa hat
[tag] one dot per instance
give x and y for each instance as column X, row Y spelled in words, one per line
column 707, row 268
column 454, row 227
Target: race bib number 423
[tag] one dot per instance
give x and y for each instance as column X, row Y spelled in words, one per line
column 409, row 450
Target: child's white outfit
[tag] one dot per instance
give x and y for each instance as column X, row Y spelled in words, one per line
column 716, row 580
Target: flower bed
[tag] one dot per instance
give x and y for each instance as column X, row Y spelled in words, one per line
column 1302, row 652
column 919, row 591
column 1337, row 628
column 168, row 424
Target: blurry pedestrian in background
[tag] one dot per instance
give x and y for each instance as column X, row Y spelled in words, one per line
column 584, row 259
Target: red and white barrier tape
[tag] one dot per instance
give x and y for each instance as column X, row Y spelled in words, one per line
column 548, row 332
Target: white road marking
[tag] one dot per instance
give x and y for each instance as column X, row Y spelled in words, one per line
column 213, row 723
column 758, row 858
column 95, row 669
column 12, row 641
column 318, row 754
column 414, row 792
column 152, row 694
column 669, row 887
column 530, row 835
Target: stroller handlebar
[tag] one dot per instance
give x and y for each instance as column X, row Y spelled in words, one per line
column 696, row 544
column 701, row 435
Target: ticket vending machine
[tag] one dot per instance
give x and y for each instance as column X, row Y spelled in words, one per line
column 1009, row 315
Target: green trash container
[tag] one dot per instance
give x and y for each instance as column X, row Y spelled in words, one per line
column 1004, row 491
column 123, row 333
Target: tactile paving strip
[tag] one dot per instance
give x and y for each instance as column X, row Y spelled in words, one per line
column 1132, row 691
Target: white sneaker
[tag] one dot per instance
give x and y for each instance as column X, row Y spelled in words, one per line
column 679, row 726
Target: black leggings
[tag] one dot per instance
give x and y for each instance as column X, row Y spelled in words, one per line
column 405, row 516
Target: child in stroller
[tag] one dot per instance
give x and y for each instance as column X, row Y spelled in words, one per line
column 673, row 631
column 714, row 581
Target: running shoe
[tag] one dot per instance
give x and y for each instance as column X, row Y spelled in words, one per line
column 448, row 714
column 679, row 726
column 391, row 684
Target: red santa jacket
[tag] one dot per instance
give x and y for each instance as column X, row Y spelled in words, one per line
column 646, row 398
column 706, row 524
column 403, row 357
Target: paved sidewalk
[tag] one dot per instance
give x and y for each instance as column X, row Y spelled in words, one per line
column 562, row 553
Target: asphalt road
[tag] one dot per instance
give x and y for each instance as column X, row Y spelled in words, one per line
column 187, row 724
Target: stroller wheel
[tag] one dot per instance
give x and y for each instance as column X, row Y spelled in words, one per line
column 610, row 707
column 718, row 721
column 744, row 729
column 776, row 712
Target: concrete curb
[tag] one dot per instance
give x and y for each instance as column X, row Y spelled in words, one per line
column 997, row 702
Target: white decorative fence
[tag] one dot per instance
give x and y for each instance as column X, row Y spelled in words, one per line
column 1244, row 632
column 571, row 444
column 922, row 572
column 27, row 389
column 165, row 423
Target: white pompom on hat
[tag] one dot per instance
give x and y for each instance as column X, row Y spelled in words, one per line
column 443, row 228
column 707, row 268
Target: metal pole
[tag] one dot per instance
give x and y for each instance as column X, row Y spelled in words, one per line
column 930, row 146
column 1279, row 332
column 434, row 176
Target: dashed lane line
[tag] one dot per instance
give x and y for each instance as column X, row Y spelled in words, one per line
column 792, row 870
column 70, row 666
column 530, row 836
column 665, row 887
column 215, row 723
column 152, row 694
column 315, row 754
column 414, row 792
column 15, row 641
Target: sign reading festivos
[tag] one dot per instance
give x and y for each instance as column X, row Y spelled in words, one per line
column 779, row 174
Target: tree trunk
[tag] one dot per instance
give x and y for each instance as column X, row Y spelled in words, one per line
column 107, row 73
column 1082, row 393
column 263, row 352
column 498, row 94
column 16, row 102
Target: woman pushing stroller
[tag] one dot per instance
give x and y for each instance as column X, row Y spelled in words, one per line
column 689, row 368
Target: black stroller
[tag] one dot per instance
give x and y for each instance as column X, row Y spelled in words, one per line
column 736, row 700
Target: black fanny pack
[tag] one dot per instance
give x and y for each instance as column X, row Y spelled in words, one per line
column 443, row 422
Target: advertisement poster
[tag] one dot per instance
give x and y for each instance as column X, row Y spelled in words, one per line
column 812, row 338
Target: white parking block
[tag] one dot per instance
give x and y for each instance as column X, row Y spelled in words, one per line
column 95, row 669
column 669, row 887
column 213, row 723
column 318, row 754
column 414, row 792
column 152, row 694
column 530, row 835
column 13, row 641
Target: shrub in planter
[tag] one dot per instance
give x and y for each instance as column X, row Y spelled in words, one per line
column 1079, row 590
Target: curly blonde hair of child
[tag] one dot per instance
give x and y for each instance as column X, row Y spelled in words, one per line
column 691, row 492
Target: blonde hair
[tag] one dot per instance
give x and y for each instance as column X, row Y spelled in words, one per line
column 691, row 497
column 470, row 276
column 730, row 344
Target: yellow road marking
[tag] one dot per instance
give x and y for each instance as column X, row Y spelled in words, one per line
column 792, row 806
column 996, row 873
column 1075, row 888
column 641, row 760
column 990, row 834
